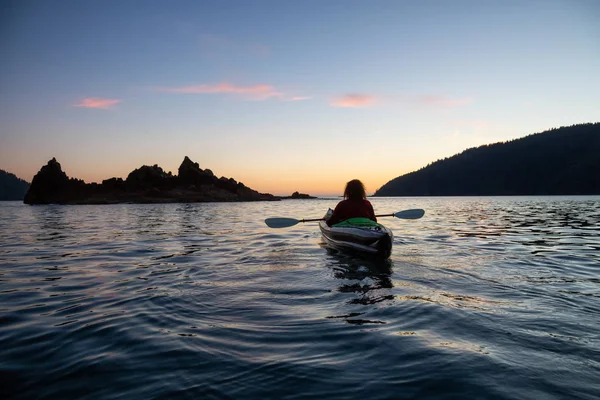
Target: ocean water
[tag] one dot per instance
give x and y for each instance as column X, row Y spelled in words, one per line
column 482, row 298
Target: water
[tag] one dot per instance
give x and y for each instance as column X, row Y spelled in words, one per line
column 490, row 298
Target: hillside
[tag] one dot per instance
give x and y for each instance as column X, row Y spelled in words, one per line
column 11, row 187
column 560, row 161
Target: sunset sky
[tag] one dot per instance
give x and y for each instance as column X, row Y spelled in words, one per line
column 287, row 95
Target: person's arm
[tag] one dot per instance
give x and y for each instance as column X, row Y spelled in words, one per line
column 335, row 217
column 372, row 212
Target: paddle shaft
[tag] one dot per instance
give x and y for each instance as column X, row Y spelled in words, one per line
column 323, row 219
column 312, row 220
column 287, row 222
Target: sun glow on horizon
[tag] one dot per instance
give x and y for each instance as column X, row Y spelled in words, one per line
column 311, row 182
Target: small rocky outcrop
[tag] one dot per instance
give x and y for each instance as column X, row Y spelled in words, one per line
column 298, row 195
column 147, row 184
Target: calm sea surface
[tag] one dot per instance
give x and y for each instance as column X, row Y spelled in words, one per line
column 483, row 298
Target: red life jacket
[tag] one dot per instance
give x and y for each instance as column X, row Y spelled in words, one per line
column 352, row 209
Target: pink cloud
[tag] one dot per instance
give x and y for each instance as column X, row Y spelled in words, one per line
column 255, row 92
column 353, row 100
column 97, row 102
column 299, row 98
column 442, row 101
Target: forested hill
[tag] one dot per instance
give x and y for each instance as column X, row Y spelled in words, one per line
column 11, row 187
column 565, row 160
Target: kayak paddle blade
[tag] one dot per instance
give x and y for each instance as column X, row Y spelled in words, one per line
column 410, row 214
column 280, row 222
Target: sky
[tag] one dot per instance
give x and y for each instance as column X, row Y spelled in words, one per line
column 287, row 95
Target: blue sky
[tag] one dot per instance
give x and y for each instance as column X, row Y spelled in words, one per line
column 286, row 95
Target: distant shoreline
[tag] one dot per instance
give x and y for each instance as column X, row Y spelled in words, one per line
column 557, row 162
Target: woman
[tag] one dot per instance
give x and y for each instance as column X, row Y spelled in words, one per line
column 354, row 205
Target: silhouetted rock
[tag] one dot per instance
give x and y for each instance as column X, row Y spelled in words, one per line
column 190, row 173
column 560, row 161
column 113, row 184
column 11, row 187
column 148, row 177
column 49, row 185
column 298, row 195
column 147, row 184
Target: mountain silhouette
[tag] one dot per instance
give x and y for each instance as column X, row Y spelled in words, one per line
column 11, row 187
column 561, row 161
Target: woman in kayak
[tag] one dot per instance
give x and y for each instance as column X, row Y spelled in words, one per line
column 354, row 205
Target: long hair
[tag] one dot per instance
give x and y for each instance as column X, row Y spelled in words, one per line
column 355, row 190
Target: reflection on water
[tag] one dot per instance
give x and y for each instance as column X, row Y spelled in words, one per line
column 367, row 279
column 482, row 298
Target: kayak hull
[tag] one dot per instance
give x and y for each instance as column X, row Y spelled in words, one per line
column 372, row 242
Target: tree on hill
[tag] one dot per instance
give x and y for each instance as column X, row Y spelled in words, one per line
column 11, row 187
column 563, row 160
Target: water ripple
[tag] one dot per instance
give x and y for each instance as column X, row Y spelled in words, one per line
column 482, row 298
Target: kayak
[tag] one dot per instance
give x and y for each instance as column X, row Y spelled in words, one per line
column 357, row 235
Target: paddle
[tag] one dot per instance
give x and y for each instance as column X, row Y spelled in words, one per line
column 287, row 222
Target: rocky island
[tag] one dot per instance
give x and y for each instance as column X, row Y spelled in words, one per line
column 147, row 184
column 297, row 196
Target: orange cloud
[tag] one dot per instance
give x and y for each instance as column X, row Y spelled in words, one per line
column 255, row 92
column 443, row 101
column 353, row 100
column 97, row 102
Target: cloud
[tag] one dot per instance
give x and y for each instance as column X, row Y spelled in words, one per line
column 98, row 102
column 403, row 100
column 254, row 92
column 472, row 123
column 353, row 101
column 299, row 98
column 442, row 101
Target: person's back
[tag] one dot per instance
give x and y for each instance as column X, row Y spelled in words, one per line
column 354, row 204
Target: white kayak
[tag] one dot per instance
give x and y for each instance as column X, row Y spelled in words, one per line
column 375, row 240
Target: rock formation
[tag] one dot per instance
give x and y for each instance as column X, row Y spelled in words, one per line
column 147, row 184
column 298, row 195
